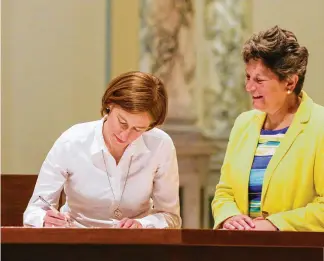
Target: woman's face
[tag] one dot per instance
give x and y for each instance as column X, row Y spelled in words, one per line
column 124, row 127
column 268, row 93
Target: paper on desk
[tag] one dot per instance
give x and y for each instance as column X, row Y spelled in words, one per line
column 90, row 222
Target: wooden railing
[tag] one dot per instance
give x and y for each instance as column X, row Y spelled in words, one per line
column 158, row 244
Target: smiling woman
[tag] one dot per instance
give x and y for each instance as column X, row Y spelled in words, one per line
column 272, row 175
column 120, row 171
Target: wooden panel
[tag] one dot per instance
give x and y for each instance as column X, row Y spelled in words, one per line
column 149, row 244
column 55, row 252
column 16, row 191
column 194, row 237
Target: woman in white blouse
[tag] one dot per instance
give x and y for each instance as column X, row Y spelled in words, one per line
column 119, row 171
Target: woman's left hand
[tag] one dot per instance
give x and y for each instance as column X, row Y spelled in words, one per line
column 129, row 223
column 262, row 224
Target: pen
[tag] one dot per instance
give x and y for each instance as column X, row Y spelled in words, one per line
column 49, row 205
column 69, row 219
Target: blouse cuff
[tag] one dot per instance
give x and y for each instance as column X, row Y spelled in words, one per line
column 153, row 221
column 35, row 219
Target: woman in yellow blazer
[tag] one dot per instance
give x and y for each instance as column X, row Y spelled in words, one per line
column 272, row 177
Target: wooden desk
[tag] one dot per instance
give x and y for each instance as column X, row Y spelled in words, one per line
column 144, row 244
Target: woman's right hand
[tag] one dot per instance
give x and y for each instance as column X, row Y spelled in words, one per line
column 53, row 219
column 239, row 222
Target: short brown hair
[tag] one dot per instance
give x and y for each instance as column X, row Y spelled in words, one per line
column 280, row 51
column 138, row 92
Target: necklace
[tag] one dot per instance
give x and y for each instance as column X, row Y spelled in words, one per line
column 117, row 212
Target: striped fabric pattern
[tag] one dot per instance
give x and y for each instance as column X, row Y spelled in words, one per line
column 269, row 141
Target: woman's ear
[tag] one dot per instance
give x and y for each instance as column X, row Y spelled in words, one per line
column 292, row 82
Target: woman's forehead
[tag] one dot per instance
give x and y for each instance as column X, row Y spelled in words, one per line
column 141, row 119
column 258, row 67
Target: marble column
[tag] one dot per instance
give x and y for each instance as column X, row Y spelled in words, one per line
column 168, row 51
column 223, row 30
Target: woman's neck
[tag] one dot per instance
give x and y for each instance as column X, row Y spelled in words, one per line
column 116, row 152
column 284, row 116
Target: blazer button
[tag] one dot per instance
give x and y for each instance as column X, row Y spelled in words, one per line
column 265, row 214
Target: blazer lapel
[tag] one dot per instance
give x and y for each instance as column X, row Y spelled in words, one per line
column 301, row 117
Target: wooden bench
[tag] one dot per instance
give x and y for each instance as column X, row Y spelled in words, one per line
column 16, row 191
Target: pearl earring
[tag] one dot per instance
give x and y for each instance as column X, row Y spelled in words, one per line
column 289, row 91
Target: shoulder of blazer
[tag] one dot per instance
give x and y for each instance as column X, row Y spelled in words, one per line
column 316, row 122
column 317, row 115
column 311, row 113
column 246, row 118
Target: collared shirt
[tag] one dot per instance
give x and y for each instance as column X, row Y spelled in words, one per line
column 144, row 185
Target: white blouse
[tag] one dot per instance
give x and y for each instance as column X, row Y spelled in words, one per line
column 147, row 172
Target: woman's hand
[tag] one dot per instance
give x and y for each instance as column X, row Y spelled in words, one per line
column 262, row 224
column 53, row 219
column 129, row 223
column 239, row 222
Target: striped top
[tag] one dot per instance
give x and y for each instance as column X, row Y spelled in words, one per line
column 269, row 141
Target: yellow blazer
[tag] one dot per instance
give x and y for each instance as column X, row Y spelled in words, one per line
column 293, row 187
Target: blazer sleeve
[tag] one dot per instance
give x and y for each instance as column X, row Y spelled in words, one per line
column 224, row 205
column 310, row 217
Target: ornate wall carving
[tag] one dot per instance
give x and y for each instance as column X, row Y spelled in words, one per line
column 168, row 51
